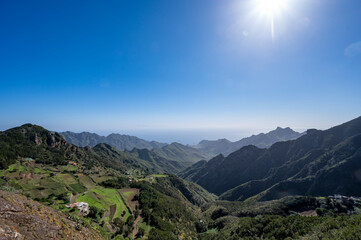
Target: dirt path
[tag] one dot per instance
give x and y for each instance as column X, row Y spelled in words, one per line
column 135, row 230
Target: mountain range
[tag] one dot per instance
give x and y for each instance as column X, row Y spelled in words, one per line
column 262, row 140
column 129, row 197
column 174, row 157
column 319, row 163
column 176, row 152
column 119, row 195
column 119, row 141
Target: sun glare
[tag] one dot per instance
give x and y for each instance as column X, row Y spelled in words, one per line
column 270, row 9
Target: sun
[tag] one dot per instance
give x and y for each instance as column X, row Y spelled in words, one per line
column 270, row 9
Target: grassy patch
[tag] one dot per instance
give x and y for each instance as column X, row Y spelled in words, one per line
column 158, row 175
column 129, row 192
column 99, row 178
column 128, row 196
column 78, row 188
column 86, row 181
column 103, row 198
column 71, row 182
column 212, row 231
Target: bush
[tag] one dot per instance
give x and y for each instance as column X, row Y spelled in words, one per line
column 95, row 213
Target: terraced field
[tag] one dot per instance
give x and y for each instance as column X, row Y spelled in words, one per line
column 128, row 195
column 71, row 182
column 104, row 198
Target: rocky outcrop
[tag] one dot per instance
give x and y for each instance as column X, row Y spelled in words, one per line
column 21, row 218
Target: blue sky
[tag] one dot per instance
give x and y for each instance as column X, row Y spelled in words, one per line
column 169, row 67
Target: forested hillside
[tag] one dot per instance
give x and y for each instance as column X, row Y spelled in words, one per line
column 319, row 163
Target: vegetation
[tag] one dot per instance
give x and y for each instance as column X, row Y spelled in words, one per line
column 290, row 227
column 262, row 140
column 320, row 163
column 120, row 142
column 124, row 195
column 169, row 217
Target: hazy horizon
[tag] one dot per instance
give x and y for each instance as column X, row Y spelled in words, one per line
column 184, row 136
column 187, row 136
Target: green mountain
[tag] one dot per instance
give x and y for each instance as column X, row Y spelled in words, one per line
column 262, row 140
column 120, row 142
column 126, row 198
column 35, row 142
column 168, row 166
column 319, row 163
column 180, row 153
column 170, row 158
column 296, row 217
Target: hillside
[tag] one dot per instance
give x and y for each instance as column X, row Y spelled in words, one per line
column 262, row 140
column 168, row 166
column 170, row 158
column 127, row 200
column 319, row 163
column 180, row 153
column 116, row 185
column 35, row 142
column 22, row 218
column 119, row 141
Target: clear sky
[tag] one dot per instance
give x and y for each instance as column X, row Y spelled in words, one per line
column 180, row 66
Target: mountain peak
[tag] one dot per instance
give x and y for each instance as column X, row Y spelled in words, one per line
column 262, row 140
column 283, row 129
column 119, row 141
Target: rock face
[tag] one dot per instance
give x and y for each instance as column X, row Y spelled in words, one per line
column 21, row 218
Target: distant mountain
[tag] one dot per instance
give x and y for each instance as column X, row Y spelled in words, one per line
column 120, row 142
column 319, row 163
column 43, row 166
column 31, row 141
column 170, row 158
column 173, row 157
column 181, row 153
column 262, row 140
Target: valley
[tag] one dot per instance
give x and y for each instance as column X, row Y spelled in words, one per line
column 253, row 192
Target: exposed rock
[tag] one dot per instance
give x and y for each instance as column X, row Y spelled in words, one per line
column 21, row 218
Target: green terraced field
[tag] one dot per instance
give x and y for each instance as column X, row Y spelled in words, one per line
column 71, row 182
column 103, row 198
column 86, row 181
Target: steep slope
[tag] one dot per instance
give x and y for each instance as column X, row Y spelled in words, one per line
column 35, row 142
column 180, row 153
column 319, row 163
column 262, row 140
column 120, row 142
column 167, row 166
column 22, row 218
column 43, row 166
column 172, row 158
column 178, row 188
column 226, row 172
